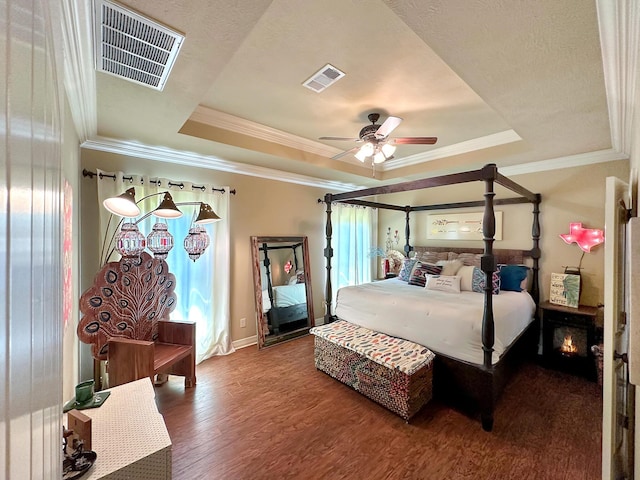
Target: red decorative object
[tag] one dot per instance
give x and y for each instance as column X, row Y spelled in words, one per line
column 586, row 238
column 288, row 267
column 387, row 267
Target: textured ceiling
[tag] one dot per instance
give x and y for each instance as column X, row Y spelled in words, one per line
column 508, row 82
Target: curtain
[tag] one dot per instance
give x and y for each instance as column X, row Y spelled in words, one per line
column 202, row 287
column 354, row 240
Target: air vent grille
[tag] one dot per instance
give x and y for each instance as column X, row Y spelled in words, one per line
column 323, row 78
column 133, row 47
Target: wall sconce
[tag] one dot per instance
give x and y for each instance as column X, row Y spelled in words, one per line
column 130, row 242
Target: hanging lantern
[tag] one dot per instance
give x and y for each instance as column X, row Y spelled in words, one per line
column 203, row 233
column 196, row 242
column 130, row 242
column 160, row 241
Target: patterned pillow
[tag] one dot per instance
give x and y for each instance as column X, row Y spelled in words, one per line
column 512, row 276
column 478, row 281
column 420, row 271
column 405, row 270
column 466, row 278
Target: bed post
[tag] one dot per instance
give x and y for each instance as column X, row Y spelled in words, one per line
column 407, row 231
column 535, row 251
column 328, row 253
column 267, row 263
column 488, row 265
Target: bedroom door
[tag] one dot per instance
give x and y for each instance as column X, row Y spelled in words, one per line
column 618, row 401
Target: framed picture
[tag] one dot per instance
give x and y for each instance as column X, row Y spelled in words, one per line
column 460, row 226
column 565, row 289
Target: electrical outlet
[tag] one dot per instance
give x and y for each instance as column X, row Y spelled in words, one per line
column 243, row 322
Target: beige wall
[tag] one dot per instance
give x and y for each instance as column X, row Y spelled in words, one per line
column 568, row 195
column 260, row 207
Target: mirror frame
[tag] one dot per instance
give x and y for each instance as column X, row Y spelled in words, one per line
column 256, row 242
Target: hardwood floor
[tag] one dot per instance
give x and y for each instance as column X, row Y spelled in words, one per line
column 270, row 414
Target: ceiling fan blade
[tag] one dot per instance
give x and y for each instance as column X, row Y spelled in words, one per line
column 415, row 140
column 388, row 126
column 339, row 138
column 346, row 152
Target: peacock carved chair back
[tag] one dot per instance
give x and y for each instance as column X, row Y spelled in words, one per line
column 127, row 299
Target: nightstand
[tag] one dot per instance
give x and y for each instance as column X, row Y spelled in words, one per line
column 567, row 336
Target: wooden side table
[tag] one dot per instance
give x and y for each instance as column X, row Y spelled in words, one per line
column 567, row 336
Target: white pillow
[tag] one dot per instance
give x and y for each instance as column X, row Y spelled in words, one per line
column 293, row 280
column 466, row 278
column 450, row 267
column 443, row 283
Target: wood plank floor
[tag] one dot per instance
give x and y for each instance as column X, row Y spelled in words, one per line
column 270, row 414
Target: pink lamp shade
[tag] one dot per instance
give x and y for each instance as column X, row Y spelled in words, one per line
column 586, row 238
column 130, row 242
column 160, row 241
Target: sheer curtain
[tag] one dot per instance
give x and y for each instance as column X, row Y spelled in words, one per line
column 202, row 287
column 353, row 239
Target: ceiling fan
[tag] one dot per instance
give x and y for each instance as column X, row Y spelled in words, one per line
column 376, row 142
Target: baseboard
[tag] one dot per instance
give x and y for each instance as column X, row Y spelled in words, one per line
column 245, row 342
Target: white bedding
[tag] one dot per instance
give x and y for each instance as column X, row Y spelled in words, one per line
column 447, row 323
column 287, row 295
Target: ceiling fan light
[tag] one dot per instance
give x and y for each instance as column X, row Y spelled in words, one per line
column 379, row 157
column 360, row 156
column 388, row 150
column 367, row 149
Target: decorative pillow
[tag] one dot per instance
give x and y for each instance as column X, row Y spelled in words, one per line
column 478, row 281
column 420, row 271
column 450, row 267
column 407, row 267
column 292, row 281
column 443, row 283
column 512, row 276
column 466, row 278
column 300, row 276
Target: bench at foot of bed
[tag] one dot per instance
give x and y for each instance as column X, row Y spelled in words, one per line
column 393, row 372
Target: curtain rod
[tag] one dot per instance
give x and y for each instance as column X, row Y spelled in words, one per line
column 87, row 173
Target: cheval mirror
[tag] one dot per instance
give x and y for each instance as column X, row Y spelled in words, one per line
column 284, row 302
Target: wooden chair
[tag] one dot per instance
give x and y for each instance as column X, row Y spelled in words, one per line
column 173, row 353
column 126, row 321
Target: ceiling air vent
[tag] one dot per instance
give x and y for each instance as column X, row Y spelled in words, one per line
column 133, row 47
column 323, row 78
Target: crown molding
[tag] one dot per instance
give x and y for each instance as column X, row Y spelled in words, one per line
column 191, row 159
column 579, row 160
column 79, row 74
column 215, row 118
column 619, row 24
column 488, row 141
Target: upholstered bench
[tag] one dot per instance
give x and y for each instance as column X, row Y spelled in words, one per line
column 391, row 371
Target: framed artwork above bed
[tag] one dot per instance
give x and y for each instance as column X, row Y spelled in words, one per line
column 460, row 226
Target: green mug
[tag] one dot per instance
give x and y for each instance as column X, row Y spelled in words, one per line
column 84, row 391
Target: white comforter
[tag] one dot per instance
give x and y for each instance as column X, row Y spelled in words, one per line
column 287, row 295
column 447, row 323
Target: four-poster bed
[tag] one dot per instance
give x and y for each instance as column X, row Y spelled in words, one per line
column 455, row 379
